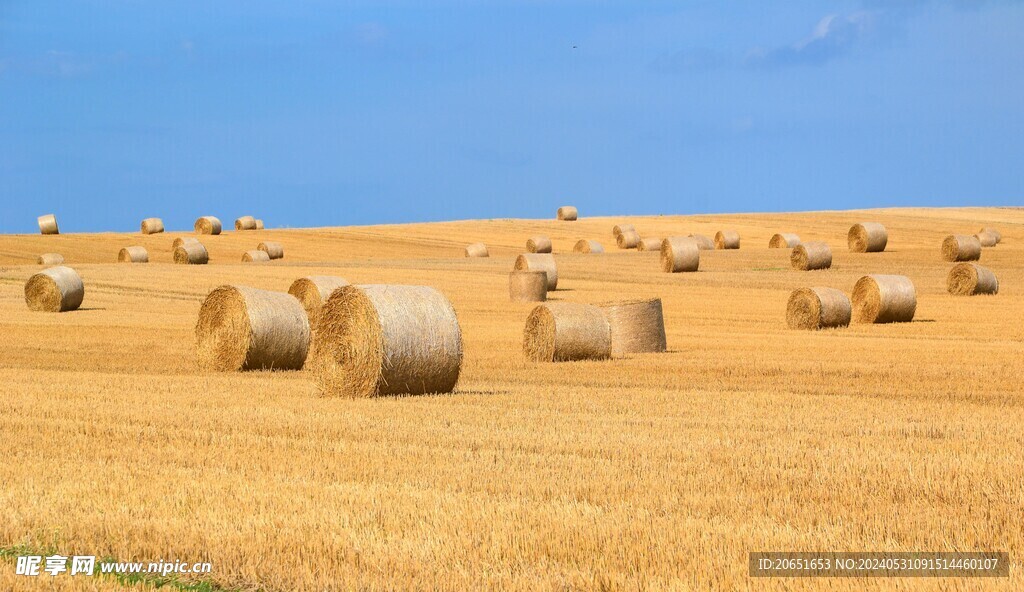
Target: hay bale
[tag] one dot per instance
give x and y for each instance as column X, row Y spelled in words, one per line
column 987, row 239
column 811, row 255
column 960, row 247
column 50, row 259
column 783, row 240
column 242, row 328
column 387, row 340
column 679, row 254
column 191, row 254
column 274, row 250
column 727, row 239
column 649, row 244
column 588, row 246
column 818, row 308
column 703, row 243
column 255, row 256
column 538, row 244
column 968, row 279
column 884, row 299
column 867, row 237
column 313, row 291
column 527, row 286
column 57, row 289
column 565, row 332
column 636, row 326
column 152, row 226
column 629, row 239
column 539, row 262
column 245, row 223
column 993, row 232
column 48, row 224
column 477, row 250
column 182, row 241
column 567, row 213
column 207, row 225
column 259, row 224
column 133, row 255
column 620, row 228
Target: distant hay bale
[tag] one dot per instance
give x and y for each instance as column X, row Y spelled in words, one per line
column 538, row 244
column 566, row 331
column 968, row 279
column 50, row 259
column 636, row 326
column 727, row 239
column 867, row 237
column 987, row 239
column 182, row 241
column 649, row 244
column 387, row 340
column 588, row 246
column 48, row 224
column 255, row 256
column 629, row 239
column 620, row 228
column 527, row 286
column 811, row 255
column 703, row 243
column 208, row 225
column 242, row 328
column 993, row 232
column 539, row 262
column 152, row 226
column 191, row 254
column 259, row 224
column 477, row 250
column 134, row 254
column 567, row 213
column 783, row 240
column 57, row 289
column 245, row 223
column 884, row 299
column 818, row 308
column 313, row 291
column 274, row 250
column 679, row 254
column 960, row 247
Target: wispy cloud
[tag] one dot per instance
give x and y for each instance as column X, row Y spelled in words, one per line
column 833, row 36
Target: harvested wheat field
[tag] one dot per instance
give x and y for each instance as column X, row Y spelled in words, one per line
column 657, row 471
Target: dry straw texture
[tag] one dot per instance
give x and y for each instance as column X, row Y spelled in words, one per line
column 259, row 224
column 56, row 289
column 538, row 244
column 191, row 254
column 208, row 225
column 313, row 291
column 649, row 244
column 628, row 239
column 539, row 262
column 48, row 224
column 960, row 247
column 703, row 243
column 50, row 259
column 968, row 279
column 567, row 331
column 811, row 255
column 588, row 246
column 567, row 213
column 636, row 326
column 884, row 299
column 987, row 239
column 245, row 223
column 134, row 254
column 242, row 328
column 867, row 237
column 272, row 249
column 727, row 239
column 679, row 254
column 993, row 232
column 477, row 250
column 387, row 340
column 527, row 286
column 255, row 256
column 818, row 308
column 152, row 226
column 620, row 228
column 783, row 240
column 187, row 240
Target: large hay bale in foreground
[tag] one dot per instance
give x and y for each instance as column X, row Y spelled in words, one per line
column 48, row 224
column 387, row 340
column 50, row 259
column 313, row 291
column 588, row 246
column 884, row 299
column 255, row 256
column 636, row 326
column 649, row 244
column 134, row 254
column 620, row 228
column 191, row 254
column 245, row 223
column 477, row 250
column 987, row 239
column 184, row 240
column 152, row 226
column 539, row 262
column 57, row 289
column 679, row 254
column 274, row 250
column 968, row 279
column 567, row 331
column 538, row 244
column 628, row 239
column 783, row 240
column 867, row 237
column 259, row 224
column 703, row 243
column 727, row 239
column 208, row 225
column 242, row 328
column 567, row 213
column 811, row 255
column 818, row 308
column 527, row 286
column 993, row 232
column 960, row 247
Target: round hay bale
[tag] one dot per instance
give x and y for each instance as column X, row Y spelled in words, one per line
column 993, row 232
column 208, row 225
column 57, row 289
column 242, row 328
column 588, row 246
column 811, row 255
column 539, row 262
column 259, row 224
column 184, row 240
column 567, row 213
column 818, row 308
column 255, row 256
column 387, row 340
column 566, row 331
column 867, row 237
column 636, row 326
column 649, row 244
column 620, row 228
column 527, row 286
column 987, row 239
column 727, row 239
column 628, row 240
column 968, row 279
column 703, row 243
column 48, row 224
column 538, row 244
column 477, row 250
column 152, row 226
column 960, row 247
column 274, row 250
column 679, row 254
column 884, row 299
column 313, row 291
column 50, row 259
column 133, row 255
column 783, row 240
column 245, row 223
column 191, row 254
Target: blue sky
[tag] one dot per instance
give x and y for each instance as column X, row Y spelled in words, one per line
column 336, row 113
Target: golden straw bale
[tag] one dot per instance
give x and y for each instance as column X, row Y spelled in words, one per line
column 48, row 224
column 628, row 239
column 993, row 232
column 208, row 225
column 783, row 240
column 255, row 256
column 727, row 239
column 272, row 249
column 636, row 326
column 703, row 243
column 539, row 262
column 57, row 289
column 50, row 259
column 313, row 291
column 884, row 299
column 588, row 246
column 183, row 240
column 867, row 237
column 679, row 254
column 259, row 224
column 968, row 279
column 567, row 213
column 818, row 308
column 527, row 286
column 152, row 226
column 245, row 223
column 567, row 331
column 987, row 239
column 649, row 244
column 134, row 254
column 960, row 247
column 620, row 228
column 477, row 250
column 811, row 255
column 538, row 244
column 191, row 254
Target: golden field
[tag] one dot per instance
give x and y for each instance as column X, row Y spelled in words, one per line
column 656, row 472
